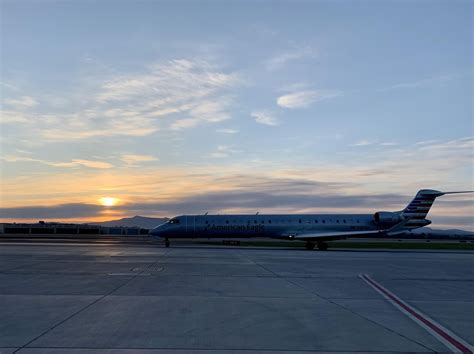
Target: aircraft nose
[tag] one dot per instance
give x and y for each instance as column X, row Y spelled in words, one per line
column 156, row 231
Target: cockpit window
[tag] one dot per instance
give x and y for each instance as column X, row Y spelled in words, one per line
column 174, row 221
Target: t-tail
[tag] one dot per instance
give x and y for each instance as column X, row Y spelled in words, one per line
column 419, row 207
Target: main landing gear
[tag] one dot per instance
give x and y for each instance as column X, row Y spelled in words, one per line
column 167, row 242
column 322, row 246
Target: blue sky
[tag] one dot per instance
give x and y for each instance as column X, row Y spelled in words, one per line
column 153, row 102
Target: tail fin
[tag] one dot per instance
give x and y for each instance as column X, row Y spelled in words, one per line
column 421, row 204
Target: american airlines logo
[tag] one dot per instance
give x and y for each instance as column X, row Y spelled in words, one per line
column 248, row 227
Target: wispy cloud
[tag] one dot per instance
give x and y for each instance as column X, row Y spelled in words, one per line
column 283, row 58
column 223, row 151
column 363, row 143
column 188, row 92
column 366, row 142
column 337, row 187
column 21, row 102
column 85, row 163
column 248, row 193
column 303, row 99
column 265, row 117
column 72, row 163
column 135, row 159
column 227, row 131
column 435, row 80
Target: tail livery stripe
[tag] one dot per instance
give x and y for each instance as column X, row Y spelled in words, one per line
column 421, row 204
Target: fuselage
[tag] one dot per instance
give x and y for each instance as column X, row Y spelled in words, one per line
column 275, row 226
column 310, row 228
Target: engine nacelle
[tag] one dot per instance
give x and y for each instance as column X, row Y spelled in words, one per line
column 387, row 217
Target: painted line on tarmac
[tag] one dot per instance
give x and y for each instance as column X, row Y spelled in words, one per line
column 444, row 335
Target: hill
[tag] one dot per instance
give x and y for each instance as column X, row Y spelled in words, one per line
column 136, row 221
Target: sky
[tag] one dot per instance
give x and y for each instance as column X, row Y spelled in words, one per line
column 158, row 108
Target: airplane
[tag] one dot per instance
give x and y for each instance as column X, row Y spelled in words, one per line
column 313, row 229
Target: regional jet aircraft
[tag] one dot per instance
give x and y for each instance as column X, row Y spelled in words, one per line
column 314, row 229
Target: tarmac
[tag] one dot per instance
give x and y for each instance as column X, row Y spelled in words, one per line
column 109, row 297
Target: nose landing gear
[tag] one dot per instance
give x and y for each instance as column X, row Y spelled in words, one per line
column 322, row 246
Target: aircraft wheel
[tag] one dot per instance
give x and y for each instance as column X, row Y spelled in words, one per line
column 310, row 245
column 322, row 246
column 167, row 243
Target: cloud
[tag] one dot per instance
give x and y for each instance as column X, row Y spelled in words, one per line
column 466, row 143
column 281, row 59
column 72, row 163
column 185, row 92
column 14, row 117
column 223, row 151
column 21, row 102
column 70, row 210
column 304, row 99
column 378, row 179
column 134, row 159
column 435, row 80
column 266, row 195
column 85, row 163
column 265, row 117
column 227, row 131
column 363, row 143
column 366, row 142
column 9, row 86
column 184, row 123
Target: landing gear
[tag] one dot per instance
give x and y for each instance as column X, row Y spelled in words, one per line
column 310, row 245
column 167, row 243
column 322, row 246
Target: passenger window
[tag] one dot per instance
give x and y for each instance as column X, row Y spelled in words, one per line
column 315, row 221
column 337, row 221
column 344, row 221
column 299, row 221
column 269, row 221
column 324, row 221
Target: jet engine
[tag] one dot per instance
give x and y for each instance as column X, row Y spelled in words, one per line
column 387, row 217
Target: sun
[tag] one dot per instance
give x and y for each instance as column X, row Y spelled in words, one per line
column 108, row 201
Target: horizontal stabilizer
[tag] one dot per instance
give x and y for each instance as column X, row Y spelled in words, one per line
column 458, row 192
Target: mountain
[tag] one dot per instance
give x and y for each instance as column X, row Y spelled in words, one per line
column 136, row 221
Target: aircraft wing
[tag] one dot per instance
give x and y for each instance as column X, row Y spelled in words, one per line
column 334, row 235
column 394, row 230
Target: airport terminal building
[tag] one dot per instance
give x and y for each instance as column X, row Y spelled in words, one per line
column 55, row 228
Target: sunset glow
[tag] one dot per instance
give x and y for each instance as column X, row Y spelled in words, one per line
column 108, row 201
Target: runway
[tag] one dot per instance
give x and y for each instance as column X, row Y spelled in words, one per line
column 143, row 298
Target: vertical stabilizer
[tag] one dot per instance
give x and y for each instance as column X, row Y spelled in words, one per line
column 421, row 204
